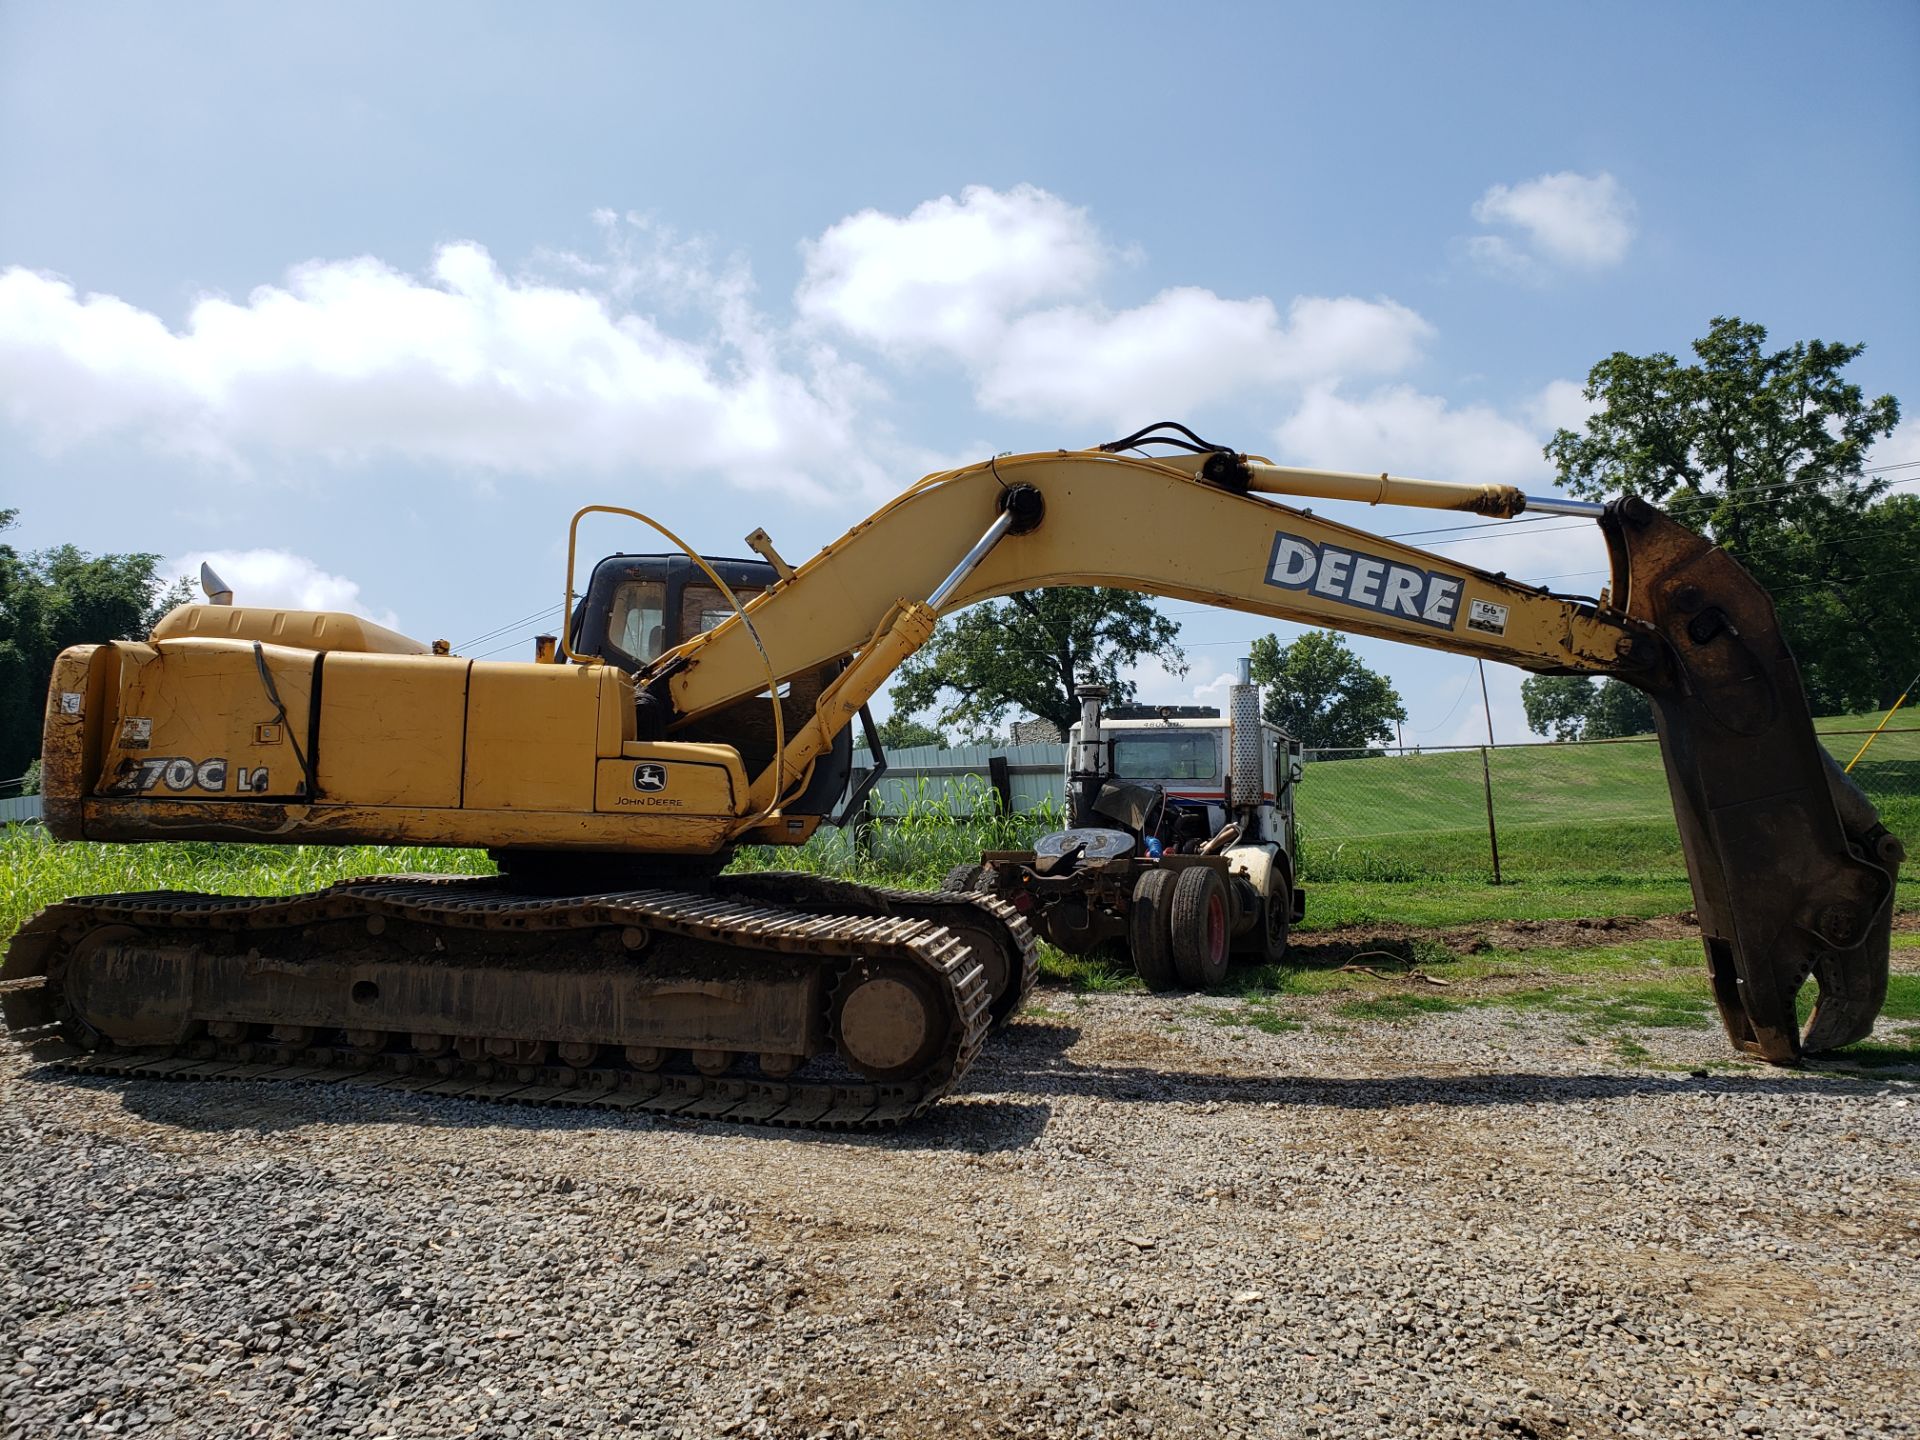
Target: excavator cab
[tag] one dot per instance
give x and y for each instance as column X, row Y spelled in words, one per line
column 638, row 607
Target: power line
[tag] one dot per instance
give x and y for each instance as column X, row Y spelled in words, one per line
column 499, row 630
column 1492, row 529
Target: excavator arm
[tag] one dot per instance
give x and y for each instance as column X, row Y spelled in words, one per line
column 1792, row 872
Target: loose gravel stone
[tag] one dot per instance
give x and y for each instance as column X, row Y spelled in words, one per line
column 1134, row 1221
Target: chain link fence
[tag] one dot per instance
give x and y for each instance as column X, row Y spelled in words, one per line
column 1513, row 812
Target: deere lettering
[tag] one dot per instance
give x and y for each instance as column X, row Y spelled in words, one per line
column 1367, row 582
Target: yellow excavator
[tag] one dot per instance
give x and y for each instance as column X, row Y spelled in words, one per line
column 696, row 705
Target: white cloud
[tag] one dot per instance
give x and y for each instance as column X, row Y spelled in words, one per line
column 652, row 357
column 1003, row 283
column 1580, row 221
column 465, row 365
column 1402, row 430
column 1499, row 256
column 1204, row 681
column 947, row 276
column 280, row 579
column 1902, row 447
column 1561, row 405
column 1185, row 349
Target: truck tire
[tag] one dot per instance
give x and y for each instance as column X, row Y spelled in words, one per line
column 963, row 879
column 1150, row 932
column 1276, row 916
column 1202, row 931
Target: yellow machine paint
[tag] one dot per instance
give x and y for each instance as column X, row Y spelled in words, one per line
column 284, row 727
column 338, row 745
column 242, row 722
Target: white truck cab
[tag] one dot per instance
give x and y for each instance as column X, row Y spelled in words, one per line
column 1188, row 752
column 1180, row 840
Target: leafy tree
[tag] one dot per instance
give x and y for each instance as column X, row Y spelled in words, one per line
column 1763, row 451
column 902, row 732
column 1027, row 651
column 55, row 598
column 1573, row 707
column 1319, row 692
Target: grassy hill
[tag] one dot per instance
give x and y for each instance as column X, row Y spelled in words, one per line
column 1594, row 815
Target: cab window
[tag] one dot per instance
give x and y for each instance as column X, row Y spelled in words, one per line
column 1173, row 755
column 702, row 607
column 637, row 624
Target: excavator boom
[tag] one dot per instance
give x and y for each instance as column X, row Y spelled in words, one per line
column 1791, row 870
column 610, row 790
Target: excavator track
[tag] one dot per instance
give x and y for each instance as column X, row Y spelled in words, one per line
column 645, row 1000
column 999, row 934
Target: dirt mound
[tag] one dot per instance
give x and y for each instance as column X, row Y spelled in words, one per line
column 1346, row 944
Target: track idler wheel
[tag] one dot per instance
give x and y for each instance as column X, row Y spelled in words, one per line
column 887, row 1020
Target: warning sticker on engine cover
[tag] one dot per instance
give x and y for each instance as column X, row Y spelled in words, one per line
column 71, row 701
column 136, row 732
column 1486, row 616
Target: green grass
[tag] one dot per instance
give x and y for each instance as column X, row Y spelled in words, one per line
column 915, row 849
column 1653, row 1005
column 1398, row 1006
column 36, row 870
column 1443, row 902
column 1583, row 830
column 1607, row 995
column 1257, row 1017
column 1549, row 785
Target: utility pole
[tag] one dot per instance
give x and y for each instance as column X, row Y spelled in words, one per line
column 1486, row 772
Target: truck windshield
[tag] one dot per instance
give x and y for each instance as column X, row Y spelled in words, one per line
column 1166, row 755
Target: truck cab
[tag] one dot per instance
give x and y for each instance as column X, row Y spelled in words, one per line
column 1186, row 752
column 1179, row 845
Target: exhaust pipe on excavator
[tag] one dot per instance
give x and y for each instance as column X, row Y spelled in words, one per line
column 1793, row 873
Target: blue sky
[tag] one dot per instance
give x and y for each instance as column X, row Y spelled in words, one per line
column 364, row 299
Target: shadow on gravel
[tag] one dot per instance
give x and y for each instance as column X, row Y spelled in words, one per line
column 1003, row 1074
column 965, row 1121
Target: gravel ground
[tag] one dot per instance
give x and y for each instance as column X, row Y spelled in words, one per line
column 1134, row 1222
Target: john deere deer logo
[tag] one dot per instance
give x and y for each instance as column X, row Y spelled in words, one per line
column 649, row 777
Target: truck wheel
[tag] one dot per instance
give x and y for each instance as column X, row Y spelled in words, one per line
column 963, row 879
column 1201, row 933
column 1149, row 933
column 1276, row 916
